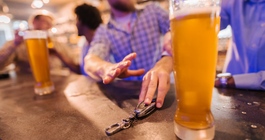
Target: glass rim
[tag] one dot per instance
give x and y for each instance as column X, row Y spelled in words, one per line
column 35, row 34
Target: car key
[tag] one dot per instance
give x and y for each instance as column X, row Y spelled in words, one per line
column 141, row 110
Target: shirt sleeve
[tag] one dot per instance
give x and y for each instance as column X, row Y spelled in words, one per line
column 100, row 46
column 7, row 54
column 162, row 17
column 225, row 15
column 255, row 81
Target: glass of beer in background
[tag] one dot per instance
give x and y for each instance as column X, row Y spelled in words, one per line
column 194, row 28
column 36, row 42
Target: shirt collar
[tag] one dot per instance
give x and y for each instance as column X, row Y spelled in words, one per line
column 113, row 24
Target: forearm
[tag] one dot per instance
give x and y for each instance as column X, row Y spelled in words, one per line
column 250, row 81
column 69, row 63
column 6, row 52
column 95, row 67
column 167, row 45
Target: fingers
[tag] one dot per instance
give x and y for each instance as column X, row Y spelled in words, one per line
column 136, row 72
column 115, row 71
column 123, row 64
column 129, row 73
column 111, row 76
column 130, row 57
column 163, row 87
column 122, row 68
column 144, row 88
column 151, row 87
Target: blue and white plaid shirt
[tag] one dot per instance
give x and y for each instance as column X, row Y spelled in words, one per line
column 144, row 38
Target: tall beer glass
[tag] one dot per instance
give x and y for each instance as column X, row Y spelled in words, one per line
column 194, row 28
column 36, row 42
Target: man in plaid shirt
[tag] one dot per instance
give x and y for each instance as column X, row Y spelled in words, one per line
column 128, row 33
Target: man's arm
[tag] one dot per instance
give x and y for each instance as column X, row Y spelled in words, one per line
column 160, row 73
column 100, row 69
column 157, row 76
column 255, row 81
column 167, row 45
column 66, row 55
column 7, row 50
column 68, row 62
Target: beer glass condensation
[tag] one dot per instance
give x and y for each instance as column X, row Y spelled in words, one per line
column 36, row 42
column 194, row 28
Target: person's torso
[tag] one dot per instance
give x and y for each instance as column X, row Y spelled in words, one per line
column 247, row 19
column 144, row 39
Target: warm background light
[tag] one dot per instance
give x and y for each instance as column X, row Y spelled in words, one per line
column 4, row 19
column 46, row 1
column 37, row 4
column 54, row 30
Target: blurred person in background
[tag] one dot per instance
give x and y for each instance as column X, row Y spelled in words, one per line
column 87, row 21
column 15, row 51
column 245, row 58
column 132, row 32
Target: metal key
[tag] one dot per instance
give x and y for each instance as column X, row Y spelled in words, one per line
column 141, row 110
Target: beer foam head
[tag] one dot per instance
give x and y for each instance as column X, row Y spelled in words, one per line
column 35, row 34
column 194, row 11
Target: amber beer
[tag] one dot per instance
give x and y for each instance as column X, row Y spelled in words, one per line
column 50, row 44
column 194, row 40
column 36, row 42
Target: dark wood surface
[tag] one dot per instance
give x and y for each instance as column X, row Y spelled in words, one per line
column 81, row 109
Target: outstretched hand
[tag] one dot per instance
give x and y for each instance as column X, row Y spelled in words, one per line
column 120, row 70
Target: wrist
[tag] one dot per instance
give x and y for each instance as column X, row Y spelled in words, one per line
column 165, row 63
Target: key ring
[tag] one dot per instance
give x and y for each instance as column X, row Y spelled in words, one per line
column 141, row 110
column 124, row 124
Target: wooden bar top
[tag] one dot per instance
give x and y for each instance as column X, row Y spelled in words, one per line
column 81, row 108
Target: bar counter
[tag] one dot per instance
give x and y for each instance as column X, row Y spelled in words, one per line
column 82, row 108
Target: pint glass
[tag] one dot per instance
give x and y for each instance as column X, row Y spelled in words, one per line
column 36, row 42
column 194, row 28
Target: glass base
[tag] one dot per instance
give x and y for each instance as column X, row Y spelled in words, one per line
column 44, row 91
column 194, row 134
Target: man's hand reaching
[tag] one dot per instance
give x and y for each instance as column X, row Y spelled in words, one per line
column 120, row 70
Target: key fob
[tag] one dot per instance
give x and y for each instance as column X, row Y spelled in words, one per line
column 142, row 109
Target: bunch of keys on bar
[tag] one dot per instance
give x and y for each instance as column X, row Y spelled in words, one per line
column 141, row 110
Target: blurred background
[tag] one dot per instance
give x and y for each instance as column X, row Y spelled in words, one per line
column 14, row 15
